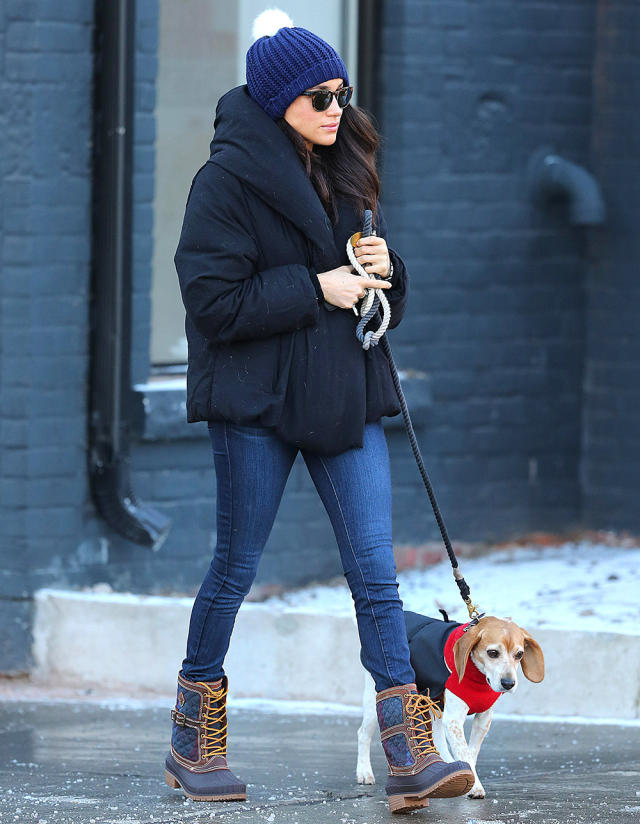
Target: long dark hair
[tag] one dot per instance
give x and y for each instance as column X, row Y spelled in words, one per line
column 347, row 167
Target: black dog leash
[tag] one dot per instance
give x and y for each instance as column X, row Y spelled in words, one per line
column 465, row 591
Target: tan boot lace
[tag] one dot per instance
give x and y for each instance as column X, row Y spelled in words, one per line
column 418, row 708
column 214, row 739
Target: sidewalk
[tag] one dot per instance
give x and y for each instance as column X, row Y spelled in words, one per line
column 82, row 762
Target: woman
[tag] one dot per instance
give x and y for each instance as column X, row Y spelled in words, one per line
column 275, row 367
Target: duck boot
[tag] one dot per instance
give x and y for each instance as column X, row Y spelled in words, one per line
column 416, row 770
column 198, row 758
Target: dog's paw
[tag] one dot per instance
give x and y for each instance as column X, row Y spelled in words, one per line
column 365, row 777
column 477, row 791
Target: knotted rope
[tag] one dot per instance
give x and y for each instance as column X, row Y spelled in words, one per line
column 373, row 299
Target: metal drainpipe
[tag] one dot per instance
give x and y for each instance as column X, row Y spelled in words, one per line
column 550, row 175
column 110, row 391
column 369, row 34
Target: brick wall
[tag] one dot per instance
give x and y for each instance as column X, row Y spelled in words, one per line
column 46, row 515
column 46, row 88
column 497, row 318
column 146, row 68
column 611, row 441
column 470, row 90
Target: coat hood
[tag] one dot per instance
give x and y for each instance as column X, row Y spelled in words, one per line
column 251, row 146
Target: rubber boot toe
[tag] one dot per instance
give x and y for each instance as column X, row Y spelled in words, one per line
column 218, row 784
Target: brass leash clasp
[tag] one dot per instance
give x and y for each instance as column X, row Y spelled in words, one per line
column 474, row 611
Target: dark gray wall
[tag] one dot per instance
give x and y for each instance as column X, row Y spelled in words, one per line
column 47, row 522
column 45, row 128
column 470, row 91
column 493, row 344
column 611, row 441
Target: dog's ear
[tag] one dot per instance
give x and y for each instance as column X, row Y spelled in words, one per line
column 462, row 648
column 532, row 660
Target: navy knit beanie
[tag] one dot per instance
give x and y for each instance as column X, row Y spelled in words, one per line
column 281, row 66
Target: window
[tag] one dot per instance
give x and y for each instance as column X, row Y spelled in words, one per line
column 202, row 47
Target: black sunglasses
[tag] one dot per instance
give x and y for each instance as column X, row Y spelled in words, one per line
column 321, row 99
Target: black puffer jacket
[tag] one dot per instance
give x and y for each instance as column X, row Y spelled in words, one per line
column 263, row 348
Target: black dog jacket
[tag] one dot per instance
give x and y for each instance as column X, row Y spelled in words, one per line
column 427, row 637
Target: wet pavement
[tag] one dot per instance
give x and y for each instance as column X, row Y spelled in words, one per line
column 86, row 763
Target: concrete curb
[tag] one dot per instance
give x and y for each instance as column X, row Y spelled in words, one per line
column 128, row 641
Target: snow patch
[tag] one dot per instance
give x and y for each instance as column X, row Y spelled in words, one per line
column 575, row 586
column 62, row 799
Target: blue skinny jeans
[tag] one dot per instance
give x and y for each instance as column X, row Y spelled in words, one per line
column 252, row 466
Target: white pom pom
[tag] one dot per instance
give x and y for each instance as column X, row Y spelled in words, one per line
column 268, row 22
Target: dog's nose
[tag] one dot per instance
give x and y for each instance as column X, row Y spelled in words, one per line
column 507, row 683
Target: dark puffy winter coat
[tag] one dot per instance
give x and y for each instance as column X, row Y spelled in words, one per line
column 263, row 348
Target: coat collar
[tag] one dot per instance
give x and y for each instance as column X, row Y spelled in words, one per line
column 251, row 146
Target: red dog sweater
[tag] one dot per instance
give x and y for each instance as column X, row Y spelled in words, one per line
column 473, row 689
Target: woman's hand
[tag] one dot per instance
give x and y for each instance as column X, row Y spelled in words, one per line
column 341, row 288
column 372, row 253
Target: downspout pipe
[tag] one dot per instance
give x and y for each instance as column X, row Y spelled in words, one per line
column 369, row 28
column 550, row 175
column 110, row 390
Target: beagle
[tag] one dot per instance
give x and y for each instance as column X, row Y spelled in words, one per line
column 465, row 668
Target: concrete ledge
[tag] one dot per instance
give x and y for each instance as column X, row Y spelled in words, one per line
column 133, row 642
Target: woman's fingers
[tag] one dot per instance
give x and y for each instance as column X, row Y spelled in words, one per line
column 371, row 240
column 374, row 261
column 371, row 260
column 344, row 290
column 380, row 268
column 379, row 247
column 374, row 284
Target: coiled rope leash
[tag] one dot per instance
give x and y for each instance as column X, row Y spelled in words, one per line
column 368, row 310
column 373, row 297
